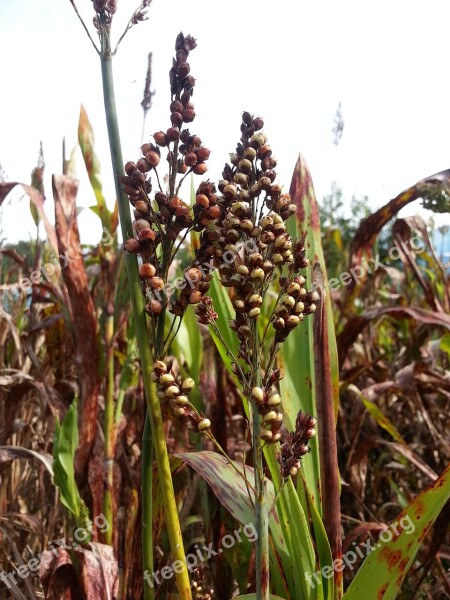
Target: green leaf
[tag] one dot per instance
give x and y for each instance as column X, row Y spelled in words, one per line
column 298, row 354
column 188, row 348
column 224, row 309
column 86, row 141
column 188, row 344
column 129, row 374
column 445, row 343
column 322, row 543
column 64, row 447
column 382, row 573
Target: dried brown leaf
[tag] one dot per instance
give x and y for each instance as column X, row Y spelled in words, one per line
column 83, row 313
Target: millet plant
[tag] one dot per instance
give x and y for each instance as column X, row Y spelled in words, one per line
column 242, row 229
column 246, row 240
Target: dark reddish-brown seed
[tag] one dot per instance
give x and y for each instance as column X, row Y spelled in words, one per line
column 200, row 168
column 147, row 270
column 147, row 234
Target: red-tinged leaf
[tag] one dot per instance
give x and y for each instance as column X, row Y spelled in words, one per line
column 130, row 538
column 90, row 575
column 38, row 201
column 58, row 576
column 419, row 314
column 368, row 231
column 230, row 488
column 231, row 491
column 82, row 311
column 328, row 443
column 357, row 324
column 385, row 568
column 310, row 366
column 157, row 496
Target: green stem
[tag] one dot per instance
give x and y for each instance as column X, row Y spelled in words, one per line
column 109, row 428
column 137, row 298
column 147, row 504
column 261, row 512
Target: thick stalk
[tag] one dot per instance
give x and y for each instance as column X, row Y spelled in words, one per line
column 261, row 512
column 109, row 428
column 147, row 504
column 153, row 406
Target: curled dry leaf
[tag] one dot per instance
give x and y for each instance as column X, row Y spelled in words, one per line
column 9, row 453
column 94, row 574
column 370, row 228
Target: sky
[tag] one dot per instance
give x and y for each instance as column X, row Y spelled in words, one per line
column 289, row 62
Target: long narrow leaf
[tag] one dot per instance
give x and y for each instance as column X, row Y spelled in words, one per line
column 310, row 366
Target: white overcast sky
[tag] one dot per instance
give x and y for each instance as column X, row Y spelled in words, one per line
column 289, row 61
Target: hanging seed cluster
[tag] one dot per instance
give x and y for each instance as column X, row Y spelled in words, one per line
column 159, row 221
column 252, row 247
column 293, row 305
column 174, row 392
column 296, row 444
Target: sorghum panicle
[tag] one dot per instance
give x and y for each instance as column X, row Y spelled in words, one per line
column 295, row 444
column 252, row 248
column 162, row 220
